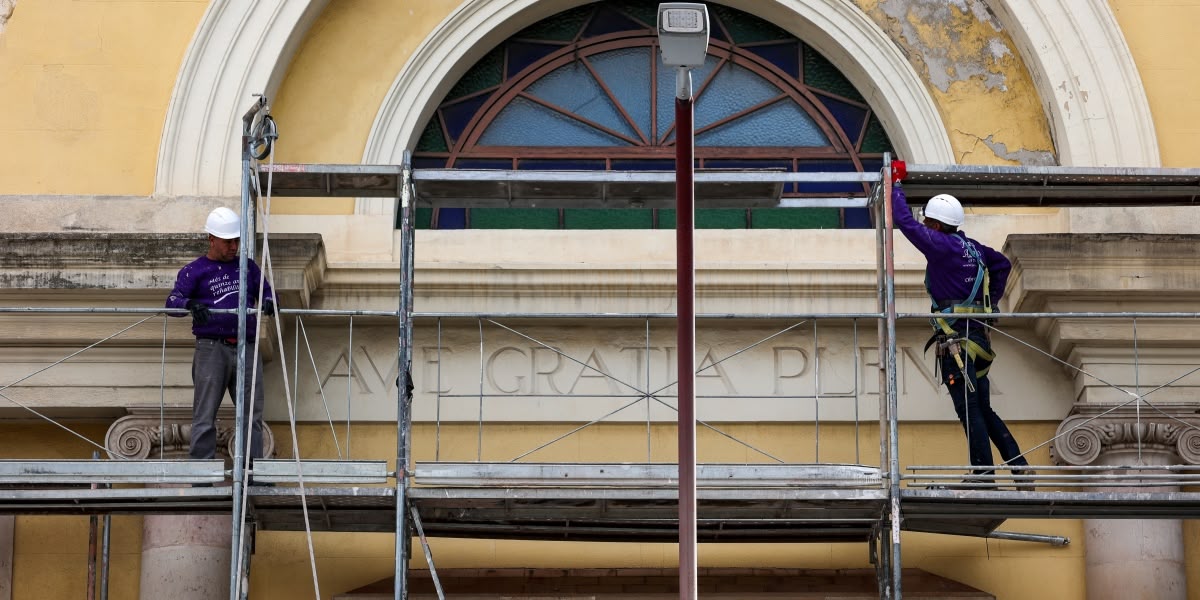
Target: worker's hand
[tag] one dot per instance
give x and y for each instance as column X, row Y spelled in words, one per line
column 899, row 171
column 199, row 312
column 268, row 307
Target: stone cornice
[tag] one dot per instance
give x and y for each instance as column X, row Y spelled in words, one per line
column 1093, row 430
column 38, row 263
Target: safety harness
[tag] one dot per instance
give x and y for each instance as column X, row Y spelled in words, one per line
column 949, row 340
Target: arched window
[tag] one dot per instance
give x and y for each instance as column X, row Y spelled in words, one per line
column 585, row 90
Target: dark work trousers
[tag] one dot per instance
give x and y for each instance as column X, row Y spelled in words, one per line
column 214, row 372
column 981, row 424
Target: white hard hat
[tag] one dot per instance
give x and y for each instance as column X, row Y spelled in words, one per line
column 945, row 209
column 223, row 223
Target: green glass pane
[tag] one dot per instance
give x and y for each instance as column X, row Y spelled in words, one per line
column 608, row 218
column 486, row 73
column 514, row 218
column 642, row 11
column 562, row 27
column 424, row 219
column 821, row 74
column 432, row 139
column 876, row 140
column 746, row 28
column 707, row 218
column 796, row 218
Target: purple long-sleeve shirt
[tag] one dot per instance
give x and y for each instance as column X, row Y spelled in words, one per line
column 215, row 284
column 950, row 272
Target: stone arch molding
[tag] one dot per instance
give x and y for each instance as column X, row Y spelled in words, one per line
column 245, row 47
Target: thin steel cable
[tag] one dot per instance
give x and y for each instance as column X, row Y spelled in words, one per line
column 1138, row 388
column 349, row 381
column 816, row 393
column 857, row 359
column 479, row 443
column 649, row 442
column 437, row 438
column 59, row 362
column 320, row 388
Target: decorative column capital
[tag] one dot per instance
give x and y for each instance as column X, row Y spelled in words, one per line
column 144, row 432
column 1093, row 430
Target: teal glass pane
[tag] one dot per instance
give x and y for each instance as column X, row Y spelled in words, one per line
column 608, row 218
column 486, row 73
column 525, row 123
column 876, row 139
column 784, row 123
column 608, row 20
column 573, row 88
column 746, row 28
column 514, row 218
column 562, row 27
column 627, row 73
column 821, row 74
column 732, row 90
column 432, row 139
column 795, row 218
column 666, row 90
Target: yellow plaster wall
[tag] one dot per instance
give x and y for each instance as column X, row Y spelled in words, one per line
column 339, row 78
column 84, row 88
column 1162, row 38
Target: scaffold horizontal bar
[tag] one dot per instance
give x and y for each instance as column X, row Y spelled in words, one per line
column 645, row 475
column 42, row 472
column 347, row 472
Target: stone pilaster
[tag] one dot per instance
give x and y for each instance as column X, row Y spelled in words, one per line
column 184, row 557
column 1134, row 392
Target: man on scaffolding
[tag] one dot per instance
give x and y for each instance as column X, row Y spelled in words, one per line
column 962, row 277
column 209, row 282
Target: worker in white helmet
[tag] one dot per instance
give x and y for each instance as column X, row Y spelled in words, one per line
column 963, row 277
column 211, row 281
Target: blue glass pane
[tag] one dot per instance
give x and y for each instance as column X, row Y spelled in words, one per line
column 459, row 115
column 856, row 218
column 733, row 90
column 666, row 90
column 573, row 88
column 428, row 162
column 451, row 218
column 524, row 123
column 643, row 165
column 848, row 116
column 545, row 164
column 785, row 56
column 627, row 74
column 523, row 54
column 784, row 123
column 607, row 20
column 827, row 166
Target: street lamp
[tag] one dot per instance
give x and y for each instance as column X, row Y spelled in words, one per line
column 683, row 40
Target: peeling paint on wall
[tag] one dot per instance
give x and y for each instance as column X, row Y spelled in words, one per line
column 6, row 12
column 980, row 83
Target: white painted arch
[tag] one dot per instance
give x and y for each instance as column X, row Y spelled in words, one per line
column 245, row 47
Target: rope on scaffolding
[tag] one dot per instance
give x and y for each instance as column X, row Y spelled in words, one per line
column 269, row 274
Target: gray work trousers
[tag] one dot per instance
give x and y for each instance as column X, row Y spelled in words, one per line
column 214, row 372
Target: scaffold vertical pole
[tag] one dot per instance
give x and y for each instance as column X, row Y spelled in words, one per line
column 239, row 423
column 893, row 435
column 404, row 359
column 883, row 557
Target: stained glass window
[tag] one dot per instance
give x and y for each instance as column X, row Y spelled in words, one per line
column 584, row 90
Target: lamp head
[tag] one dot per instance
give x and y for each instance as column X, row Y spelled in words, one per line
column 683, row 33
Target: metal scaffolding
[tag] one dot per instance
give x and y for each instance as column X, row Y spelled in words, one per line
column 773, row 502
